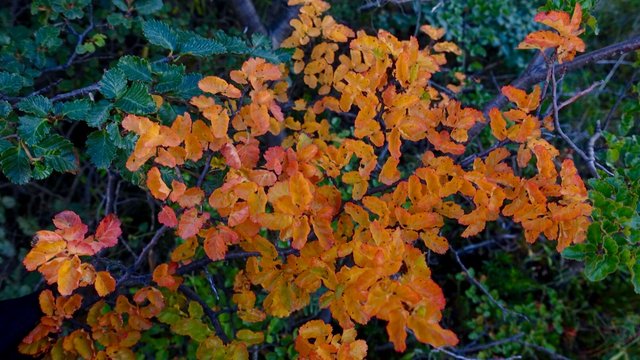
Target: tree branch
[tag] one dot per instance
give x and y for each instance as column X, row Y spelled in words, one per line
column 192, row 295
column 536, row 73
column 246, row 12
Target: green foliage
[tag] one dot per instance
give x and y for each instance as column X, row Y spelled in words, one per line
column 612, row 240
column 62, row 40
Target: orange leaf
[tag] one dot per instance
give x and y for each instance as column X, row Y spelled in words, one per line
column 163, row 276
column 390, row 172
column 167, row 217
column 43, row 252
column 301, row 190
column 191, row 197
column 525, row 102
column 432, row 32
column 215, row 245
column 156, row 185
column 498, row 124
column 435, row 243
column 70, row 226
column 105, row 283
column 108, row 231
column 69, row 275
column 231, row 156
column 185, row 251
column 190, row 223
column 424, row 323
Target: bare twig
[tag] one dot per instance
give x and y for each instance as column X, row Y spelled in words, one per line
column 212, row 285
column 205, row 170
column 549, row 352
column 491, row 344
column 77, row 92
column 556, row 119
column 484, row 290
column 213, row 317
column 536, row 73
column 580, row 94
column 613, row 71
column 248, row 16
column 81, row 36
column 109, row 193
column 451, row 353
column 469, row 159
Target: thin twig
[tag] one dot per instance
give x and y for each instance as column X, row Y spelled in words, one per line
column 491, row 344
column 469, row 160
column 81, row 36
column 580, row 94
column 536, row 73
column 556, row 120
column 204, row 172
column 483, row 289
column 213, row 317
column 549, row 352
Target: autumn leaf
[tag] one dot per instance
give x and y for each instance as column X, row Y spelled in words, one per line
column 389, row 173
column 69, row 275
column 105, row 283
column 167, row 217
column 163, row 276
column 156, row 185
column 525, row 102
column 190, row 223
column 566, row 39
column 108, row 231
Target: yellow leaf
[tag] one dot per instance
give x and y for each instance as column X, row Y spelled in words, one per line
column 105, row 283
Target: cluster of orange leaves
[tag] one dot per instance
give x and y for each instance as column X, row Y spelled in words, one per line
column 565, row 40
column 56, row 254
column 361, row 249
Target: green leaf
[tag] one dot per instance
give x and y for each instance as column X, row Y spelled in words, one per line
column 10, row 84
column 193, row 328
column 15, row 165
column 170, row 80
column 575, row 252
column 74, row 110
column 189, row 86
column 33, row 129
column 159, row 33
column 5, row 108
column 200, row 46
column 37, row 105
column 147, row 7
column 101, row 149
column 137, row 100
column 99, row 113
column 120, row 4
column 57, row 153
column 598, row 267
column 170, row 315
column 118, row 141
column 47, row 37
column 232, row 44
column 113, row 83
column 135, row 68
column 634, row 269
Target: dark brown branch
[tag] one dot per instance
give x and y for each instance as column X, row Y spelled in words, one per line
column 78, row 92
column 192, row 295
column 536, row 73
column 246, row 12
column 281, row 28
